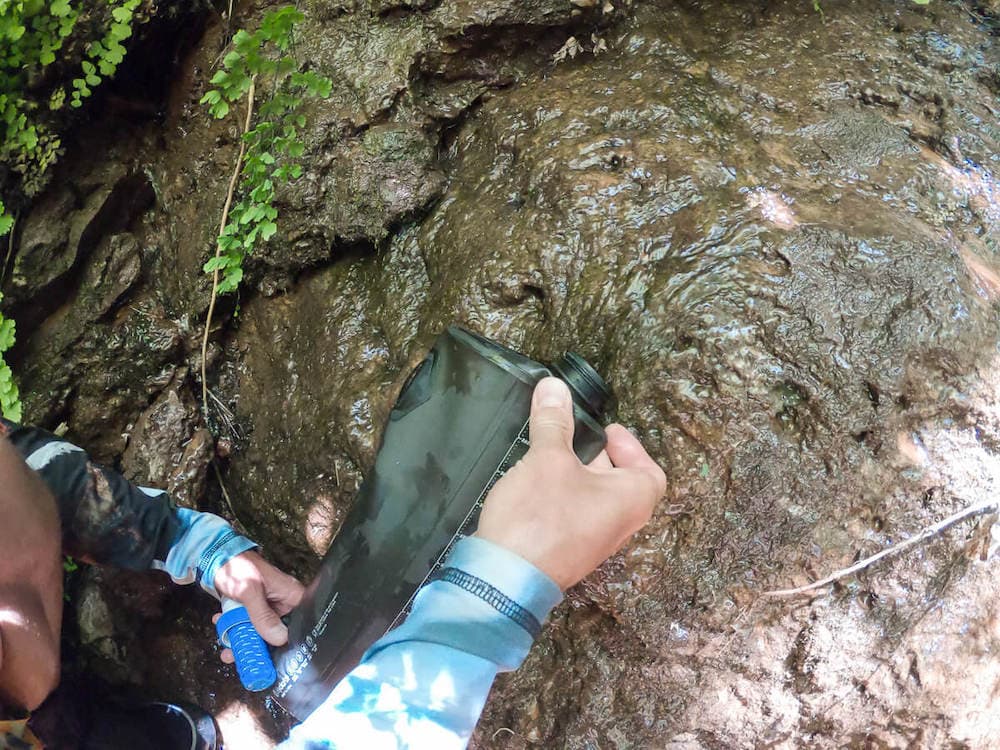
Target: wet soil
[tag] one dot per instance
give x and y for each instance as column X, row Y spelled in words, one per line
column 776, row 236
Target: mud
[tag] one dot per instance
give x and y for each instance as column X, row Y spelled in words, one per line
column 776, row 236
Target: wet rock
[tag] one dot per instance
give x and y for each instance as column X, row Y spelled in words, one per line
column 760, row 268
column 370, row 185
column 775, row 236
column 106, row 628
column 858, row 140
column 168, row 449
column 96, row 626
column 48, row 250
column 78, row 282
column 64, row 229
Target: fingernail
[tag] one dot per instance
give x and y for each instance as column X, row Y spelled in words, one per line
column 552, row 392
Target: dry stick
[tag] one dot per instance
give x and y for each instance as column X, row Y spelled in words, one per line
column 218, row 249
column 926, row 533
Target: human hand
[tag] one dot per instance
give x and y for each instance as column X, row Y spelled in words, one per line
column 265, row 591
column 564, row 517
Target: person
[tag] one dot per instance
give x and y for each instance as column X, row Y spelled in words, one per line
column 545, row 525
column 55, row 500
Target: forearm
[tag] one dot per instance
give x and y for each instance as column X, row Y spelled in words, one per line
column 110, row 521
column 105, row 519
column 424, row 684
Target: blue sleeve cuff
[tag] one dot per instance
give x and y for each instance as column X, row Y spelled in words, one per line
column 449, row 615
column 510, row 573
column 204, row 543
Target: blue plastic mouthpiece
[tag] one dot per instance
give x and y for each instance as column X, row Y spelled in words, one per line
column 253, row 659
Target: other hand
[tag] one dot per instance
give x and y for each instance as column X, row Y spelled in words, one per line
column 265, row 591
column 564, row 517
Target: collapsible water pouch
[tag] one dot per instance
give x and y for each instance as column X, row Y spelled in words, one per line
column 460, row 422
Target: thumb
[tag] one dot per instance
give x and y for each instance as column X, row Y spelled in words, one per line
column 551, row 425
column 265, row 620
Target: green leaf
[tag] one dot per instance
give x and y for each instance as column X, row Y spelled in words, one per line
column 15, row 32
column 120, row 31
column 7, row 331
column 231, row 280
column 122, row 15
column 12, row 409
column 115, row 52
column 216, row 263
column 228, row 241
column 267, row 230
column 61, row 8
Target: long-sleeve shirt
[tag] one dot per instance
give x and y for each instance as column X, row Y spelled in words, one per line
column 110, row 521
column 423, row 685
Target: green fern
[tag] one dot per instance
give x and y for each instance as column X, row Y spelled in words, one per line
column 272, row 144
column 10, row 399
column 32, row 34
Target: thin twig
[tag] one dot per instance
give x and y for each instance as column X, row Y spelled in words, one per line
column 225, row 494
column 218, row 248
column 228, row 417
column 10, row 248
column 926, row 533
column 225, row 410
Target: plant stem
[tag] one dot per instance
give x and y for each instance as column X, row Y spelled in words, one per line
column 233, row 181
column 10, row 249
column 925, row 534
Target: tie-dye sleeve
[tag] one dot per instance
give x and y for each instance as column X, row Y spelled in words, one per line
column 423, row 685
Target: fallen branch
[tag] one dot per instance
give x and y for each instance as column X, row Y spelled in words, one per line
column 233, row 181
column 928, row 532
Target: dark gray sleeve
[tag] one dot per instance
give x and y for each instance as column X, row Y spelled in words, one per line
column 105, row 519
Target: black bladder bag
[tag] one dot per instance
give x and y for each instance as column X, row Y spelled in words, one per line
column 461, row 420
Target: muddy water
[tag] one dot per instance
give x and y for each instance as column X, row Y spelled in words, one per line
column 776, row 237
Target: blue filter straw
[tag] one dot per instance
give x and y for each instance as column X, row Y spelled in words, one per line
column 253, row 659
